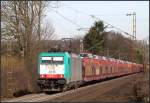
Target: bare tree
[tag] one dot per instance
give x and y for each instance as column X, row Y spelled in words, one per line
column 21, row 20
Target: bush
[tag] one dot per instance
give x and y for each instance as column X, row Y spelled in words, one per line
column 21, row 92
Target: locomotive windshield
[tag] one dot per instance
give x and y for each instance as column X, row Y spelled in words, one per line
column 52, row 60
column 58, row 60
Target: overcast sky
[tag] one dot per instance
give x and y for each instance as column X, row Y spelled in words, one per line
column 72, row 15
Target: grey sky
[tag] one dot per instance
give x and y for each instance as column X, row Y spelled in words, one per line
column 113, row 12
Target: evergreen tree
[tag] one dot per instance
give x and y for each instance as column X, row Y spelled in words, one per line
column 139, row 57
column 94, row 39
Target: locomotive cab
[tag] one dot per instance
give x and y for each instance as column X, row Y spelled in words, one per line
column 51, row 69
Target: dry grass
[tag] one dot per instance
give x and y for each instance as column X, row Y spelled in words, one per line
column 140, row 89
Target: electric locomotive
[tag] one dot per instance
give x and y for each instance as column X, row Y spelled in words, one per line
column 59, row 71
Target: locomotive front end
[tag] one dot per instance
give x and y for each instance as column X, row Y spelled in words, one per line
column 51, row 68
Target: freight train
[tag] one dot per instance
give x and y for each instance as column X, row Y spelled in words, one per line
column 60, row 71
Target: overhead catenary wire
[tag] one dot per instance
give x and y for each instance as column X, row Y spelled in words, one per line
column 79, row 11
column 113, row 26
column 75, row 10
column 82, row 12
column 90, row 16
column 67, row 19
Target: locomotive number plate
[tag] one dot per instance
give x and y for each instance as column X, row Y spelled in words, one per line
column 51, row 71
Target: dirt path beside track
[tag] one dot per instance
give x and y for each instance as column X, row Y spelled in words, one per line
column 117, row 90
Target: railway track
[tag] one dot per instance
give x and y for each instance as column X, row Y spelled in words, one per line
column 75, row 93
